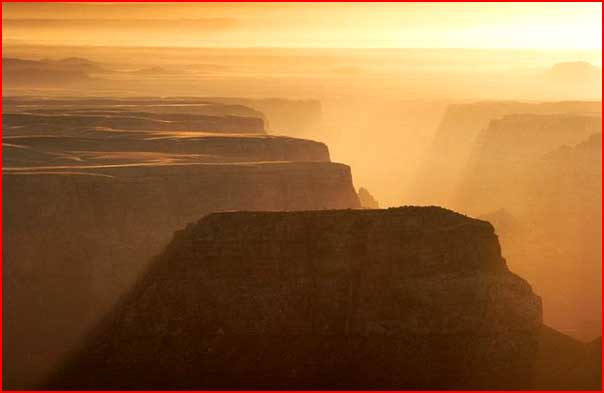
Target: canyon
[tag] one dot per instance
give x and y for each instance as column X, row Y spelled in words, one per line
column 271, row 197
column 414, row 297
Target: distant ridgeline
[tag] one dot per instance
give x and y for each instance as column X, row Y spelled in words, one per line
column 455, row 138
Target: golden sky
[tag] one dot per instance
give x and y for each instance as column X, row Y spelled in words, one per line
column 310, row 25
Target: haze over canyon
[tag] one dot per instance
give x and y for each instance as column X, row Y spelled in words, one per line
column 302, row 196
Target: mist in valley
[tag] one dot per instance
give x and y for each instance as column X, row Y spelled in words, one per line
column 124, row 143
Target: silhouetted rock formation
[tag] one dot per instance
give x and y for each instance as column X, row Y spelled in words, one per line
column 367, row 200
column 564, row 363
column 380, row 299
column 87, row 208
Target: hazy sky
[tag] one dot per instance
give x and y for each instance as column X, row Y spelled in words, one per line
column 349, row 25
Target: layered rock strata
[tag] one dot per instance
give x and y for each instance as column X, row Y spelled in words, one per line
column 84, row 210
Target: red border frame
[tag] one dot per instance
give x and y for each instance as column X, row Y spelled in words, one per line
column 241, row 1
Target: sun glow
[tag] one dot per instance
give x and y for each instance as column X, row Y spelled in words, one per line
column 330, row 25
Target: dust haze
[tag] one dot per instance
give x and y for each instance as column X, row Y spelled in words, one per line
column 138, row 140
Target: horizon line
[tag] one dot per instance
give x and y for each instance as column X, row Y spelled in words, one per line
column 595, row 49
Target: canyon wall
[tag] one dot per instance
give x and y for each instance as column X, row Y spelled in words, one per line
column 85, row 209
column 507, row 150
column 297, row 118
column 545, row 171
column 98, row 148
column 74, row 115
column 133, row 121
column 406, row 298
column 454, row 140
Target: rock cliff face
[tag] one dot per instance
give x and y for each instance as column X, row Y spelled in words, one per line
column 106, row 105
column 73, row 116
column 541, row 163
column 401, row 298
column 554, row 195
column 506, row 152
column 85, row 209
column 457, row 133
column 78, row 239
column 156, row 148
column 133, row 121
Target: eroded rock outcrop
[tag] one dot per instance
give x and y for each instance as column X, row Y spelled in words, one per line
column 401, row 298
column 84, row 210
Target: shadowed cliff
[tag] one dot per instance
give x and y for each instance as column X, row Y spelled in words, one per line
column 564, row 363
column 407, row 298
column 88, row 207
